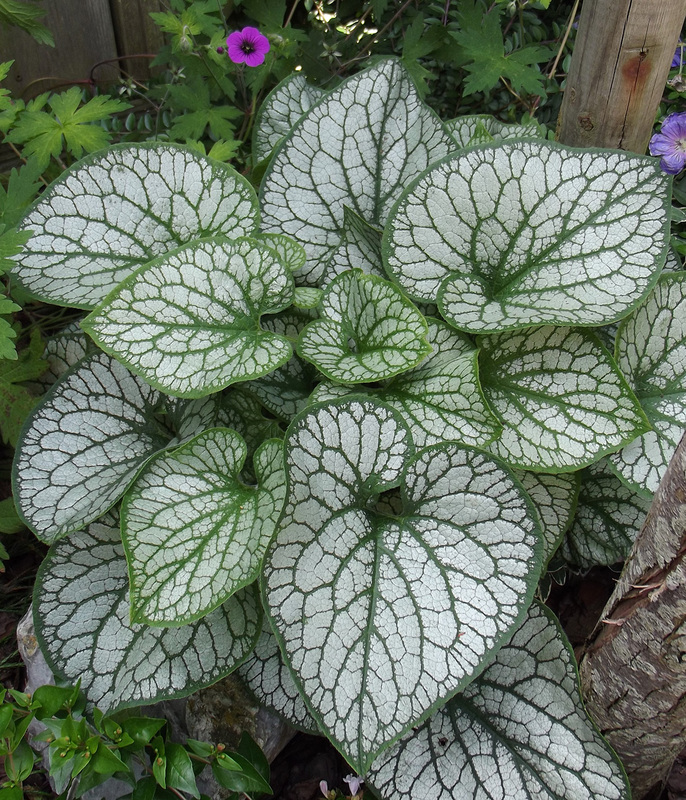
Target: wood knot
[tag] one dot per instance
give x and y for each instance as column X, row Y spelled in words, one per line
column 586, row 122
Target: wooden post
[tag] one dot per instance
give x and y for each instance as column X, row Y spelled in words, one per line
column 620, row 64
column 136, row 33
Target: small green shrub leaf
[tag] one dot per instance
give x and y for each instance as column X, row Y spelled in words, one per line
column 116, row 210
column 608, row 518
column 531, row 233
column 188, row 322
column 194, row 533
column 279, row 112
column 382, row 616
column 370, row 137
column 83, row 444
column 518, row 731
column 651, row 352
column 560, row 396
column 81, row 612
column 369, row 331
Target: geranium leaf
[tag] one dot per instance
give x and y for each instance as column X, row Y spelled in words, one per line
column 279, row 112
column 369, row 331
column 483, row 128
column 269, row 680
column 370, row 136
column 555, row 498
column 531, row 233
column 518, row 731
column 114, row 211
column 81, row 612
column 651, row 352
column 608, row 517
column 188, row 322
column 382, row 616
column 193, row 532
column 83, row 444
column 560, row 396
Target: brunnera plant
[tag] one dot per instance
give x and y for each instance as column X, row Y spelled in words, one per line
column 330, row 436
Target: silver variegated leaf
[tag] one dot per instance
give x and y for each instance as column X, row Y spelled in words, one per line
column 359, row 248
column 651, row 352
column 368, row 331
column 474, row 129
column 279, row 112
column 519, row 731
column 555, row 498
column 560, row 396
column 608, row 518
column 194, row 533
column 441, row 398
column 286, row 390
column 269, row 680
column 531, row 233
column 81, row 613
column 83, row 445
column 116, row 210
column 188, row 322
column 63, row 351
column 383, row 616
column 357, row 147
column 290, row 253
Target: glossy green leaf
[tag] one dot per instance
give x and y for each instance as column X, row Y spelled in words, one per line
column 651, row 352
column 608, row 518
column 188, row 322
column 193, row 532
column 279, row 112
column 531, row 233
column 383, row 616
column 519, row 731
column 560, row 396
column 83, row 445
column 81, row 613
column 118, row 209
column 359, row 147
column 368, row 331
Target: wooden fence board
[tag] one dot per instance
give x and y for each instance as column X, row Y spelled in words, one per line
column 84, row 36
column 135, row 33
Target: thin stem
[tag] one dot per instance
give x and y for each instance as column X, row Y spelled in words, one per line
column 21, row 157
column 290, row 13
column 570, row 24
column 221, row 14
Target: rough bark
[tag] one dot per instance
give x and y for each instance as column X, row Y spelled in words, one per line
column 633, row 670
column 621, row 61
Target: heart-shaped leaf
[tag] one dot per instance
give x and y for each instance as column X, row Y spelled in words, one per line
column 194, row 533
column 188, row 322
column 555, row 498
column 269, row 680
column 83, row 445
column 359, row 248
column 651, row 352
column 369, row 331
column 519, row 731
column 382, row 613
column 531, row 233
column 560, row 396
column 116, row 210
column 369, row 138
column 474, row 129
column 81, row 612
column 608, row 518
column 279, row 112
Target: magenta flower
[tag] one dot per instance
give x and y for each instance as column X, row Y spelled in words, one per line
column 670, row 143
column 248, row 46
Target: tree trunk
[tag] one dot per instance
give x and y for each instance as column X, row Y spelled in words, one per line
column 621, row 61
column 633, row 671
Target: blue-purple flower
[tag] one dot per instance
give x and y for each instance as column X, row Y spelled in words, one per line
column 670, row 143
column 678, row 55
column 248, row 46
